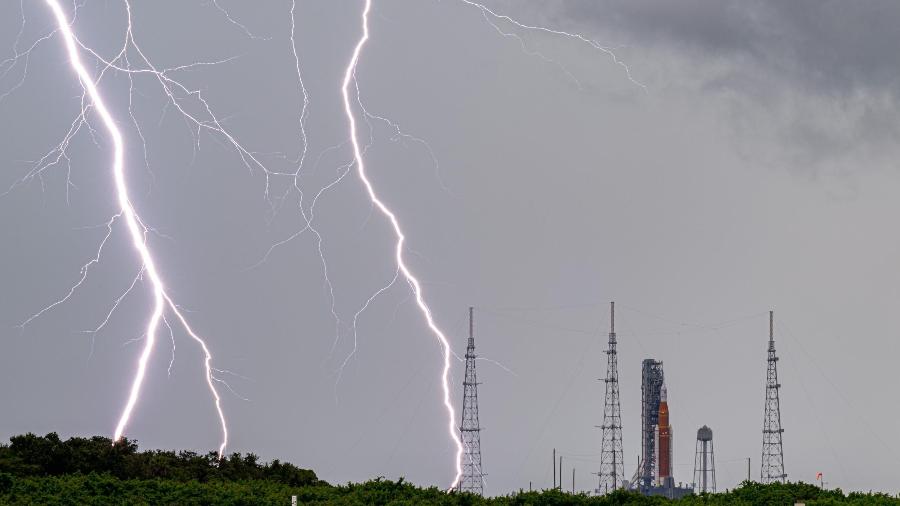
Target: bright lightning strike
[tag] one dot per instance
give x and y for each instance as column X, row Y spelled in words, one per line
column 350, row 75
column 206, row 120
column 358, row 156
column 138, row 232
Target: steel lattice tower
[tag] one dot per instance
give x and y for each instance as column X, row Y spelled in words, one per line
column 473, row 477
column 772, row 469
column 612, row 469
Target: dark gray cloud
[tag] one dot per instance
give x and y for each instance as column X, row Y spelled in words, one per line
column 827, row 47
column 815, row 80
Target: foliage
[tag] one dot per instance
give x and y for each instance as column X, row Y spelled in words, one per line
column 36, row 456
column 46, row 470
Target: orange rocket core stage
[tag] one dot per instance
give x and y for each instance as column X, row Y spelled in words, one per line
column 665, row 437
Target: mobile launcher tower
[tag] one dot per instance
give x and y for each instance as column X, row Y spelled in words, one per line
column 654, row 473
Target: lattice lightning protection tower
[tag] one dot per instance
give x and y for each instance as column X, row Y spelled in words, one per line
column 772, row 469
column 612, row 469
column 470, row 431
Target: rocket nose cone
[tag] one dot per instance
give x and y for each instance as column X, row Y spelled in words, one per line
column 663, row 394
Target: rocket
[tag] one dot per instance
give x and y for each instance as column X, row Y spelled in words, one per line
column 664, row 438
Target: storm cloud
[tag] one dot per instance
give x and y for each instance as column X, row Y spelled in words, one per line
column 826, row 73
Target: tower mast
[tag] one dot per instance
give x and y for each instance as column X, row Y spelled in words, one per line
column 470, row 430
column 772, row 467
column 612, row 469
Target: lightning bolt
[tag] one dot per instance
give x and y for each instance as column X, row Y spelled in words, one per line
column 137, row 232
column 358, row 159
column 491, row 16
column 350, row 76
column 207, row 121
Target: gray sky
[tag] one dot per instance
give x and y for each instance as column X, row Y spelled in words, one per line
column 755, row 172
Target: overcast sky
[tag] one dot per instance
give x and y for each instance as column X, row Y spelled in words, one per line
column 747, row 165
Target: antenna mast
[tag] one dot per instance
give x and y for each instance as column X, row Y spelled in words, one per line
column 772, row 467
column 470, row 430
column 612, row 469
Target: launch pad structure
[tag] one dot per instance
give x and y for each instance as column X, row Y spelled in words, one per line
column 654, row 473
column 652, row 379
column 653, row 476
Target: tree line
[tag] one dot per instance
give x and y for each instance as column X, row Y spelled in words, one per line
column 41, row 456
column 94, row 471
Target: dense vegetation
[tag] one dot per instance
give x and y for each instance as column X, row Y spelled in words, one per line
column 47, row 470
column 36, row 456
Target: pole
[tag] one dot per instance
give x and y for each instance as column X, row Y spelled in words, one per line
column 748, row 468
column 612, row 317
column 560, row 473
column 529, row 486
column 703, row 467
column 573, row 481
column 554, row 468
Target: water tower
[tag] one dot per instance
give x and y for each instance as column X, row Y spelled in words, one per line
column 704, row 462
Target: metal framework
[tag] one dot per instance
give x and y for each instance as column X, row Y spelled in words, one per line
column 612, row 469
column 472, row 479
column 704, row 462
column 651, row 381
column 772, row 468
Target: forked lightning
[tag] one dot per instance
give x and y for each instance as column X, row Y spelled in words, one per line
column 176, row 93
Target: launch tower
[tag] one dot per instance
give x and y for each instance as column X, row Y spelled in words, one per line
column 651, row 383
column 654, row 475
